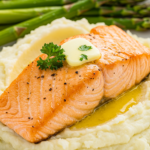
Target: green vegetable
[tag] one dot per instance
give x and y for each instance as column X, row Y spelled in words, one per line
column 13, row 15
column 139, row 24
column 84, row 48
column 12, row 4
column 51, row 63
column 83, row 56
column 123, row 2
column 118, row 11
column 69, row 11
column 10, row 16
column 32, row 3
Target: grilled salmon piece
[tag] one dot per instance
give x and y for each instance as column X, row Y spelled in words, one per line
column 40, row 103
column 124, row 62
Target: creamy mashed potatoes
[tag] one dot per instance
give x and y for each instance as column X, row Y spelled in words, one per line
column 130, row 131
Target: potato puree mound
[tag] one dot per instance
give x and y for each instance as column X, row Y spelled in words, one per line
column 130, row 131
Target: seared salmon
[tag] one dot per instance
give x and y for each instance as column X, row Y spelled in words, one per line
column 40, row 103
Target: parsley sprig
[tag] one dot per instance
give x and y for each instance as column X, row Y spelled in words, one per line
column 84, row 48
column 83, row 56
column 54, row 62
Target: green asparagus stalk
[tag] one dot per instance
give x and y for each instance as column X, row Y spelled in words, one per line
column 40, row 3
column 12, row 16
column 18, row 15
column 68, row 11
column 123, row 2
column 139, row 24
column 116, row 11
column 146, row 11
column 7, row 0
column 32, row 3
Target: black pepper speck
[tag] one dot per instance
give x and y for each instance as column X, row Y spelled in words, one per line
column 53, row 74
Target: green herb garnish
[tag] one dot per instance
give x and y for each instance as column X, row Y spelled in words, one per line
column 84, row 48
column 52, row 63
column 83, row 57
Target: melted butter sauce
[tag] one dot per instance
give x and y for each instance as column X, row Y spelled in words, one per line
column 112, row 109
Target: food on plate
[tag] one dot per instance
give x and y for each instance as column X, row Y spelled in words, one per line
column 82, row 51
column 139, row 24
column 129, row 128
column 120, row 11
column 69, row 11
column 15, row 31
column 40, row 102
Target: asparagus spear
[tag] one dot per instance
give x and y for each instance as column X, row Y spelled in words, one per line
column 123, row 2
column 32, row 3
column 18, row 15
column 12, row 4
column 13, row 15
column 68, row 11
column 117, row 11
column 139, row 24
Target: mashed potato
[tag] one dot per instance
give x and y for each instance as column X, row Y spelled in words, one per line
column 130, row 131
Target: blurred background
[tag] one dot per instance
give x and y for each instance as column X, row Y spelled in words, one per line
column 19, row 17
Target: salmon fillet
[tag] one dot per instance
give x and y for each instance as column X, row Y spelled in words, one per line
column 40, row 103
